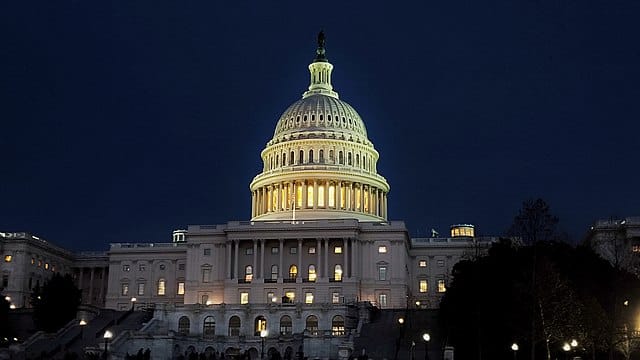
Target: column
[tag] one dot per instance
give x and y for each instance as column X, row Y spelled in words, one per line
column 345, row 252
column 253, row 203
column 304, row 194
column 281, row 250
column 255, row 258
column 262, row 244
column 338, row 194
column 385, row 206
column 354, row 258
column 278, row 190
column 91, row 286
column 80, row 284
column 315, row 194
column 101, row 299
column 235, row 268
column 347, row 200
column 318, row 267
column 326, row 258
column 270, row 198
column 299, row 258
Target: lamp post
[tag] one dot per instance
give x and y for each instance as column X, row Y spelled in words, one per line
column 82, row 324
column 133, row 303
column 400, row 335
column 566, row 347
column 426, row 337
column 108, row 335
column 263, row 335
column 515, row 349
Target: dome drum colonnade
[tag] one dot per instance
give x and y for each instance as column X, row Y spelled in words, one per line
column 320, row 163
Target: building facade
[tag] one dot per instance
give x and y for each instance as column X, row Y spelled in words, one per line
column 617, row 241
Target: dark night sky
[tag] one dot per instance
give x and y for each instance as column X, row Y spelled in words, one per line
column 120, row 122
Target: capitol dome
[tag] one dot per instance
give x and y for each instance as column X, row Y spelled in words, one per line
column 319, row 163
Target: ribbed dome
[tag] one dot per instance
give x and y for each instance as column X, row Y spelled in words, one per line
column 321, row 113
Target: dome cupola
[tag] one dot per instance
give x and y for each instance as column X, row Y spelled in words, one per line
column 319, row 163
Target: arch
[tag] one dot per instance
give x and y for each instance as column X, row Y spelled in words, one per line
column 311, row 324
column 234, row 326
column 310, row 156
column 331, row 159
column 248, row 273
column 358, row 160
column 301, row 158
column 321, row 156
column 337, row 272
column 312, row 272
column 162, row 286
column 259, row 324
column 349, row 159
column 184, row 325
column 277, row 160
column 286, row 325
column 337, row 326
column 293, row 271
column 209, row 326
column 340, row 158
column 288, row 353
column 284, row 158
column 291, row 158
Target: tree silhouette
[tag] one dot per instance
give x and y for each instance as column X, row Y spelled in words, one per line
column 55, row 303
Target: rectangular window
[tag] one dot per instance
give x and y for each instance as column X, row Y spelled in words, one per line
column 271, row 297
column 423, row 286
column 181, row 266
column 205, row 299
column 290, row 295
column 141, row 289
column 308, row 298
column 275, row 250
column 180, row 287
column 309, row 196
column 335, row 297
column 382, row 300
column 141, row 267
column 332, row 196
column 337, row 250
column 441, row 286
column 293, row 250
column 33, row 261
column 440, row 263
column 321, row 196
column 124, row 289
column 382, row 273
column 382, row 249
column 244, row 298
column 422, row 263
column 248, row 251
column 126, row 268
column 46, row 266
column 312, row 250
column 206, row 252
column 161, row 287
column 206, row 275
column 8, row 258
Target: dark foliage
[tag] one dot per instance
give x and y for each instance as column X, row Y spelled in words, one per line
column 535, row 223
column 4, row 318
column 55, row 303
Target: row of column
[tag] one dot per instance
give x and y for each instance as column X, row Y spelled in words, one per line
column 349, row 251
column 319, row 194
column 104, row 272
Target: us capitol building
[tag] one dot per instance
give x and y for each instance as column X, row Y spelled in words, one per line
column 318, row 255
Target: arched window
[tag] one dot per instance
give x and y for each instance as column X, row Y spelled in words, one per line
column 321, row 156
column 277, row 160
column 329, row 117
column 331, row 159
column 286, row 326
column 301, row 158
column 310, row 156
column 209, row 327
column 291, row 158
column 337, row 272
column 284, row 159
column 358, row 160
column 274, row 272
column 234, row 326
column 184, row 325
column 349, row 159
column 311, row 324
column 312, row 273
column 340, row 158
column 162, row 286
column 337, row 326
column 248, row 273
column 259, row 324
column 293, row 272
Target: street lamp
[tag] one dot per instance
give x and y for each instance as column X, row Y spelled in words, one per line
column 401, row 320
column 82, row 324
column 515, row 349
column 566, row 347
column 133, row 303
column 108, row 335
column 263, row 335
column 426, row 337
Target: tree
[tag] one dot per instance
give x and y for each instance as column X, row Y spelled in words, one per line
column 55, row 303
column 534, row 223
column 4, row 318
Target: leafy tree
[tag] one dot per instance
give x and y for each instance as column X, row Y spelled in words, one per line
column 55, row 303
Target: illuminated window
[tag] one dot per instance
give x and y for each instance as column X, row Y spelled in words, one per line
column 183, row 325
column 422, row 263
column 286, row 325
column 357, row 198
column 321, row 196
column 234, row 326
column 635, row 248
column 244, row 298
column 180, row 287
column 343, row 197
column 8, row 258
column 206, row 275
column 309, row 195
column 124, row 289
column 382, row 249
column 209, row 327
column 248, row 273
column 141, row 289
column 337, row 250
column 366, row 201
column 161, row 286
column 33, row 261
column 382, row 300
column 332, row 196
column 382, row 272
column 312, row 250
column 46, row 266
column 204, row 299
column 293, row 272
column 312, row 273
column 39, row 263
column 299, row 196
column 290, row 296
column 337, row 272
column 337, row 326
column 441, row 286
column 311, row 324
column 423, row 286
column 308, row 298
column 274, row 199
column 125, row 268
column 260, row 325
column 335, row 297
